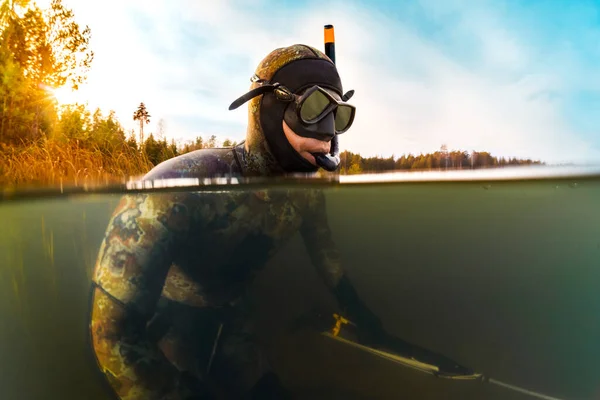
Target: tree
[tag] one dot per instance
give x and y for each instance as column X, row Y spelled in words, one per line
column 40, row 50
column 158, row 151
column 173, row 148
column 70, row 46
column 212, row 142
column 132, row 143
column 107, row 133
column 354, row 169
column 160, row 134
column 444, row 150
column 74, row 123
column 142, row 115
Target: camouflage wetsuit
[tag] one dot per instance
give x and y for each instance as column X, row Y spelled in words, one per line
column 173, row 267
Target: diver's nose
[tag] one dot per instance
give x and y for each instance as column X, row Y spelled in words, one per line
column 327, row 128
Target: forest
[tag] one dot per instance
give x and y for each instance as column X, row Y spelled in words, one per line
column 45, row 142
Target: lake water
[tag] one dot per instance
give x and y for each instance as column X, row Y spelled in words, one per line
column 500, row 274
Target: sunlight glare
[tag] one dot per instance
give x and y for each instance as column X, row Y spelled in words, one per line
column 65, row 95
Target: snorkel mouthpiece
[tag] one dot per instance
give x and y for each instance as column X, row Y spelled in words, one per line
column 329, row 162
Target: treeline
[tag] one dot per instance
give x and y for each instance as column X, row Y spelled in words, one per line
column 352, row 163
column 90, row 147
column 158, row 150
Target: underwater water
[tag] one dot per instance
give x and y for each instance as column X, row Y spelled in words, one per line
column 502, row 276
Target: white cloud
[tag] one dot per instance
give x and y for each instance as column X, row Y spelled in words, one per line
column 410, row 95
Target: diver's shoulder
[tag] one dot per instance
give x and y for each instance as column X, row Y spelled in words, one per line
column 202, row 163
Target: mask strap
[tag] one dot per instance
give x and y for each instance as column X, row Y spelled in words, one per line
column 252, row 94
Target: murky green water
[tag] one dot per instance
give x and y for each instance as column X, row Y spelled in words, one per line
column 503, row 278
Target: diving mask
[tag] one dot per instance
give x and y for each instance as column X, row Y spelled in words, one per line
column 311, row 108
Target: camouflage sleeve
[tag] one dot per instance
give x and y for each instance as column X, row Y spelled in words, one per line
column 134, row 259
column 319, row 242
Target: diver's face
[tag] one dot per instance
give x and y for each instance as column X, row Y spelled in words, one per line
column 305, row 146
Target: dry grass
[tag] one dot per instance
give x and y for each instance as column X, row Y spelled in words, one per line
column 51, row 163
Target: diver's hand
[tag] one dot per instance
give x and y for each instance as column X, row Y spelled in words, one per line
column 369, row 327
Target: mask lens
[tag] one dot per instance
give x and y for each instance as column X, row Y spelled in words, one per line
column 313, row 106
column 343, row 116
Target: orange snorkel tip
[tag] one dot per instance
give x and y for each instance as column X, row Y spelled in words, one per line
column 329, row 36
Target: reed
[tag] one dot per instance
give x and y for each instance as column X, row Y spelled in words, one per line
column 52, row 162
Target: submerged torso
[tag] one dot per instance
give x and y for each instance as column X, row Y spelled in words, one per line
column 231, row 239
column 219, row 240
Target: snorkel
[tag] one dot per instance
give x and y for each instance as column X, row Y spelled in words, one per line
column 329, row 162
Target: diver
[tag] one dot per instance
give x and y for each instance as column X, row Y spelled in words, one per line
column 170, row 309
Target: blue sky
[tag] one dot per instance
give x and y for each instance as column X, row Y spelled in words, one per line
column 517, row 78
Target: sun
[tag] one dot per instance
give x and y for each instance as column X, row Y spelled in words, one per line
column 65, row 95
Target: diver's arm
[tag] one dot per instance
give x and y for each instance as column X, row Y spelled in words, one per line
column 318, row 239
column 134, row 259
column 327, row 259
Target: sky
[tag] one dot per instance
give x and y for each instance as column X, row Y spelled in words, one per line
column 515, row 78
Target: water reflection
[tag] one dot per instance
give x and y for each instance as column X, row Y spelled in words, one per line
column 466, row 175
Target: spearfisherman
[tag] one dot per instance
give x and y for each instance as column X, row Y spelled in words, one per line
column 170, row 315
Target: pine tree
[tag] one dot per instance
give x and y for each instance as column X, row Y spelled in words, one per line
column 142, row 115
